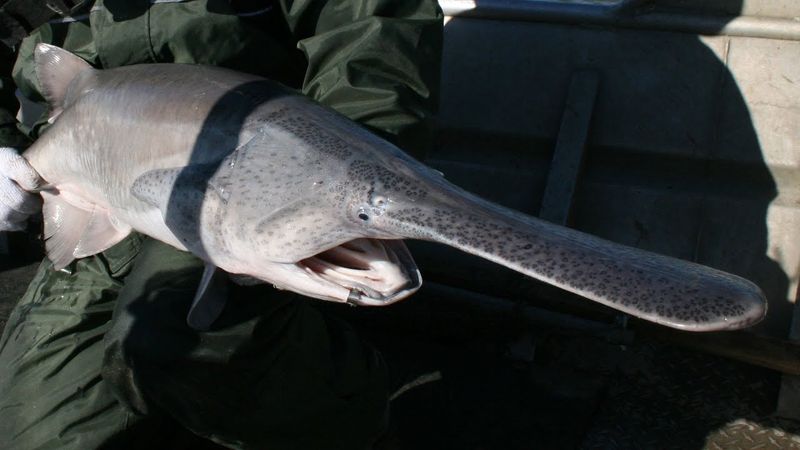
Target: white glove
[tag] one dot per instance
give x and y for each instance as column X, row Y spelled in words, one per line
column 17, row 178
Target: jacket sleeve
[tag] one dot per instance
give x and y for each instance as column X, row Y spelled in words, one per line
column 375, row 61
column 10, row 135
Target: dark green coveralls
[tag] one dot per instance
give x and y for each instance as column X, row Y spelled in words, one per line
column 99, row 355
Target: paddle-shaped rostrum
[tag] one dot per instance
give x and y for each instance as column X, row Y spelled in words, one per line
column 259, row 181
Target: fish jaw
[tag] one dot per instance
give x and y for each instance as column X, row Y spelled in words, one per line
column 364, row 272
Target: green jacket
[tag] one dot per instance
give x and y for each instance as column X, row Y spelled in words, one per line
column 375, row 61
column 99, row 357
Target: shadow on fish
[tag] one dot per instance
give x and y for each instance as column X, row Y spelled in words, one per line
column 266, row 184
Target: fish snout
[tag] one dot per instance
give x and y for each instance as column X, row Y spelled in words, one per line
column 657, row 288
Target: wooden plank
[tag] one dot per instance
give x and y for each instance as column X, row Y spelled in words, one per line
column 789, row 395
column 765, row 351
column 570, row 148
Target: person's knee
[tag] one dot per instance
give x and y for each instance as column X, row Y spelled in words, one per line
column 149, row 324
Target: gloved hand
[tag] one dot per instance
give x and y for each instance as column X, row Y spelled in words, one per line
column 17, row 178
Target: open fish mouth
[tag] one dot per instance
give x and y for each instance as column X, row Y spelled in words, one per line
column 375, row 271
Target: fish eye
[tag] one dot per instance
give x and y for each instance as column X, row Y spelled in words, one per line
column 363, row 216
column 379, row 201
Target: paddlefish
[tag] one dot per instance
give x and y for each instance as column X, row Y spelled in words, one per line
column 264, row 183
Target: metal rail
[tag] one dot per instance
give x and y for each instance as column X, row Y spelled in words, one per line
column 624, row 15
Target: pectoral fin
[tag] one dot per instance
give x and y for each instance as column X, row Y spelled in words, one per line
column 209, row 301
column 180, row 194
column 154, row 187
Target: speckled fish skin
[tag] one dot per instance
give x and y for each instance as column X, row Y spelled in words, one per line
column 247, row 175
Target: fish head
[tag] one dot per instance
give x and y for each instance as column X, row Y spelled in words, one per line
column 296, row 222
column 399, row 198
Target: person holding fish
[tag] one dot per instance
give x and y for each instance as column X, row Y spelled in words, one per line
column 98, row 354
